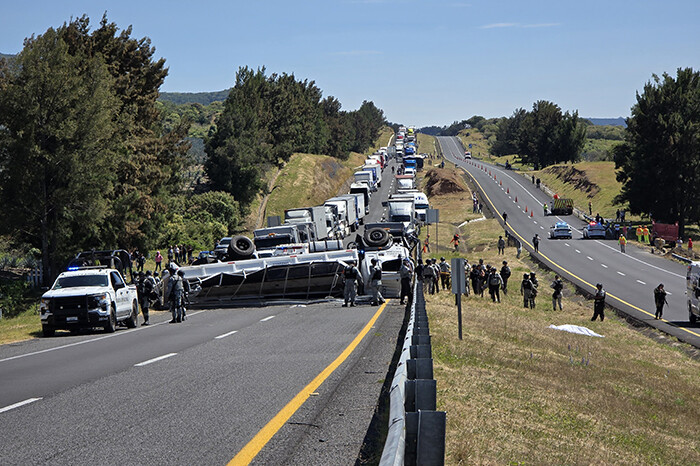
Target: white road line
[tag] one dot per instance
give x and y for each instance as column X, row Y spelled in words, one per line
column 567, row 245
column 17, row 405
column 267, row 318
column 159, row 358
column 541, row 227
column 620, row 273
column 578, row 251
column 589, row 258
column 641, row 261
column 225, row 335
column 669, row 293
column 641, row 282
column 112, row 335
column 603, row 265
column 535, row 222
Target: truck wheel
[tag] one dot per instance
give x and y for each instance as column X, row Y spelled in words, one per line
column 691, row 317
column 376, row 237
column 241, row 246
column 48, row 331
column 111, row 324
column 133, row 319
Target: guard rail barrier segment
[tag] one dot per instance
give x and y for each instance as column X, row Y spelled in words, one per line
column 681, row 258
column 416, row 430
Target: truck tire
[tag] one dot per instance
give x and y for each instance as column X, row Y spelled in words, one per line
column 48, row 331
column 133, row 320
column 241, row 246
column 111, row 325
column 377, row 237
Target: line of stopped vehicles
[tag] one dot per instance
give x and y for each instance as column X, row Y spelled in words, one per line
column 298, row 258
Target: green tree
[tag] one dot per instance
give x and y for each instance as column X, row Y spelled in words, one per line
column 659, row 161
column 58, row 143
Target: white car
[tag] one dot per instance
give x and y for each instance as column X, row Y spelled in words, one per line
column 560, row 230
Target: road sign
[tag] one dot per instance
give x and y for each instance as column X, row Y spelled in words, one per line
column 470, row 146
column 458, row 279
column 432, row 215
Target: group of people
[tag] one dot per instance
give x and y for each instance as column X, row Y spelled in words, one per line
column 176, row 290
column 432, row 274
column 180, row 253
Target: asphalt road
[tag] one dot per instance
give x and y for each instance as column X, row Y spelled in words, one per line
column 199, row 391
column 629, row 279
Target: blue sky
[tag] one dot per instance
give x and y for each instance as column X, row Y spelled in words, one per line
column 429, row 62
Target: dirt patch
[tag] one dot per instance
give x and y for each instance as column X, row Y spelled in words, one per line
column 575, row 178
column 444, row 181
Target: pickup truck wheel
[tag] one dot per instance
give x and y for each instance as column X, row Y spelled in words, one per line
column 241, row 246
column 376, row 237
column 48, row 331
column 133, row 319
column 111, row 324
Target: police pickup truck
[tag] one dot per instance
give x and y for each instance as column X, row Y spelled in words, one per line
column 87, row 297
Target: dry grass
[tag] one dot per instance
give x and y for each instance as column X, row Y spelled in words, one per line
column 427, row 144
column 480, row 145
column 23, row 327
column 517, row 392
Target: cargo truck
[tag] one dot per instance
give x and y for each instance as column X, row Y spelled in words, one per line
column 364, row 190
column 314, row 215
column 346, row 214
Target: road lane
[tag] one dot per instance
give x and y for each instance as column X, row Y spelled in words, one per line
column 505, row 191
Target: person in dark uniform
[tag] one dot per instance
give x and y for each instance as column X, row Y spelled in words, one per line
column 536, row 242
column 351, row 275
column 660, row 300
column 599, row 303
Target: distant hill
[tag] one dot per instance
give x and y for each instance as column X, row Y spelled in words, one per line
column 204, row 98
column 619, row 121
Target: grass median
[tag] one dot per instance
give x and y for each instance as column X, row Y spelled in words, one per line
column 516, row 391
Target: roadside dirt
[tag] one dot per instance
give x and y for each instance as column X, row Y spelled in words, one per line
column 575, row 178
column 444, row 181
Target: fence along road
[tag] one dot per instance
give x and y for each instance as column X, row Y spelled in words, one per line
column 629, row 279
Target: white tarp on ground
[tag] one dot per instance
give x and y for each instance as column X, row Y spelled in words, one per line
column 576, row 329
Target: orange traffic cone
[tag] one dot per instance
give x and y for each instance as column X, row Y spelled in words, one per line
column 507, row 190
column 531, row 214
column 500, row 183
column 516, row 198
column 525, row 208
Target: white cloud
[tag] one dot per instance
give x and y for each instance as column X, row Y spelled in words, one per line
column 498, row 25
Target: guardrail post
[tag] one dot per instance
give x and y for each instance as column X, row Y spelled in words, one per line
column 430, row 442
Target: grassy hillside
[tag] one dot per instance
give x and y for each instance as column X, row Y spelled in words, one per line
column 583, row 182
column 480, row 145
column 552, row 397
column 427, row 144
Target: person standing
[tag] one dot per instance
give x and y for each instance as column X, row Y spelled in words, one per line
column 455, row 241
column 428, row 277
column 558, row 286
column 505, row 275
column 148, row 286
column 639, row 233
column 350, row 275
column 375, row 282
column 436, row 275
column 176, row 288
column 505, row 218
column 159, row 261
column 645, row 234
column 518, row 249
column 590, row 208
column 467, row 272
column 546, row 208
column 536, row 242
column 526, row 291
column 599, row 303
column 474, row 277
column 405, row 274
column 501, row 245
column 495, row 283
column 426, row 244
column 659, row 300
column 444, row 273
column 690, row 244
column 623, row 241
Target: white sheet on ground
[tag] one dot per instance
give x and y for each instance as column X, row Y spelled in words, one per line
column 576, row 329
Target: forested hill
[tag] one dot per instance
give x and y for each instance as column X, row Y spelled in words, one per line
column 619, row 121
column 204, row 98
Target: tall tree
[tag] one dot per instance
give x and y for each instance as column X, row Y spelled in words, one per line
column 57, row 148
column 659, row 161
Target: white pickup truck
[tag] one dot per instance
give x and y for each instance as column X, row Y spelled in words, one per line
column 86, row 297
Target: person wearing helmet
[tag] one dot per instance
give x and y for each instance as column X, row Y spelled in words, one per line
column 526, row 289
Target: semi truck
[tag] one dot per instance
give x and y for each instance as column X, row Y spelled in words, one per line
column 366, row 176
column 364, row 190
column 347, row 215
column 314, row 215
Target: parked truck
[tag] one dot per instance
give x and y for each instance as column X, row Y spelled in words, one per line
column 314, row 215
column 404, row 211
column 358, row 201
column 347, row 217
column 377, row 170
column 419, row 199
column 366, row 176
column 269, row 238
column 364, row 190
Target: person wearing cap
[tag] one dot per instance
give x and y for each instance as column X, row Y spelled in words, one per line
column 659, row 300
column 375, row 282
column 526, row 289
column 623, row 241
column 351, row 275
column 599, row 303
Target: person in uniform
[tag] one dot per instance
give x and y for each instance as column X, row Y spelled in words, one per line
column 599, row 303
column 405, row 273
column 659, row 300
column 375, row 282
column 350, row 274
column 526, row 290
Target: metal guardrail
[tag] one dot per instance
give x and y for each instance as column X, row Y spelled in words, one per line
column 682, row 258
column 416, row 430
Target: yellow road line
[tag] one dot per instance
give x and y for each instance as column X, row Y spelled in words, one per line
column 564, row 269
column 246, row 455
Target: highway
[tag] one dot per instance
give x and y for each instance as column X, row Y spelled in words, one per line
column 293, row 384
column 629, row 279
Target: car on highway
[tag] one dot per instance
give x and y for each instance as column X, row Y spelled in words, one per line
column 560, row 230
column 594, row 230
column 467, row 154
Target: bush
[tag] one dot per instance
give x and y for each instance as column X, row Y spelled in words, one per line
column 13, row 295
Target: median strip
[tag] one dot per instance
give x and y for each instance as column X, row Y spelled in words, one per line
column 159, row 358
